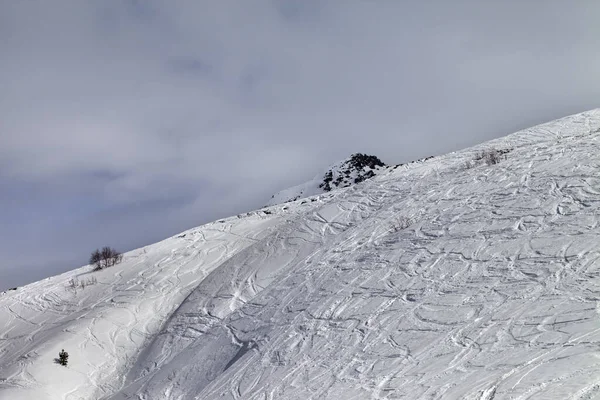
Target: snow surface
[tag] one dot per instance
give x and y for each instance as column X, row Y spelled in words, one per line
column 447, row 279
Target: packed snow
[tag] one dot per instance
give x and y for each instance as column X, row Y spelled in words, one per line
column 473, row 275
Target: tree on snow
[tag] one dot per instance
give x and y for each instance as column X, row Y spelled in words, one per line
column 107, row 257
column 63, row 358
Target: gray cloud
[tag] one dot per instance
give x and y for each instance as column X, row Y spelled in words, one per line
column 124, row 122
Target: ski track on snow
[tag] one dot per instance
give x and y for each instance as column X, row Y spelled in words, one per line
column 491, row 292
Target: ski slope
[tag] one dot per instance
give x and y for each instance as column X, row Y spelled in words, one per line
column 447, row 279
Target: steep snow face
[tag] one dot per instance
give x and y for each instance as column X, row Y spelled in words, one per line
column 475, row 275
column 355, row 169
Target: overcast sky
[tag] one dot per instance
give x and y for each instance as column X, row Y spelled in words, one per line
column 124, row 122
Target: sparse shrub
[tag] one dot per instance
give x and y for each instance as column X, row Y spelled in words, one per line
column 491, row 156
column 107, row 257
column 63, row 358
column 75, row 284
column 88, row 282
column 72, row 284
column 468, row 164
column 400, row 223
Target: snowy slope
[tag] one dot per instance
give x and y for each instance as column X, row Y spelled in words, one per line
column 455, row 278
column 354, row 169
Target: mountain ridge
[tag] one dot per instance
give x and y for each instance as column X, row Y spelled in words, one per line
column 352, row 170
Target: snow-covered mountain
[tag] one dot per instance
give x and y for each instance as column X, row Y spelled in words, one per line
column 354, row 169
column 473, row 275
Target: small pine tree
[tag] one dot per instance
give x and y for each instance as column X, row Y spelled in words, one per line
column 63, row 357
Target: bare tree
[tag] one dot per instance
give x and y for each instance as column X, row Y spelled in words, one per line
column 95, row 258
column 107, row 257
